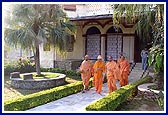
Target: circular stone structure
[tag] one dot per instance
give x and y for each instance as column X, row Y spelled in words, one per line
column 33, row 84
column 144, row 87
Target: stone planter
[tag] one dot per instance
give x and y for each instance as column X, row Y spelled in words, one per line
column 32, row 84
column 15, row 75
column 27, row 76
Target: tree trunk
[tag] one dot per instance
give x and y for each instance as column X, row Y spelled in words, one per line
column 37, row 58
column 37, row 52
column 160, row 80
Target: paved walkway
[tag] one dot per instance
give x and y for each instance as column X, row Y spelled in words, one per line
column 78, row 102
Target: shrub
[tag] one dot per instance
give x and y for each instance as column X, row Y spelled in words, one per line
column 18, row 66
column 42, row 97
column 114, row 99
column 70, row 73
column 8, row 68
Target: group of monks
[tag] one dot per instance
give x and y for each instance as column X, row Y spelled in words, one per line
column 112, row 70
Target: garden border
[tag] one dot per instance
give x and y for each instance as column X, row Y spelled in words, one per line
column 36, row 99
column 114, row 99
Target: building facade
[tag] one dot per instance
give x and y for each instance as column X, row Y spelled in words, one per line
column 96, row 35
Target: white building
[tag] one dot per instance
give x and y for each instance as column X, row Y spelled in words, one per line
column 96, row 34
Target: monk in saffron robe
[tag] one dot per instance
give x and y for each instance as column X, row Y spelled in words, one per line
column 118, row 72
column 112, row 71
column 99, row 69
column 124, row 71
column 85, row 69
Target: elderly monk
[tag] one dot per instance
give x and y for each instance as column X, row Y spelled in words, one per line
column 112, row 71
column 124, row 70
column 85, row 69
column 99, row 69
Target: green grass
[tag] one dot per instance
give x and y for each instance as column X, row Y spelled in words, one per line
column 44, row 75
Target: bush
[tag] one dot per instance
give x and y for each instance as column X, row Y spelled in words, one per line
column 12, row 67
column 114, row 99
column 42, row 97
column 19, row 67
column 70, row 73
column 8, row 68
column 111, row 101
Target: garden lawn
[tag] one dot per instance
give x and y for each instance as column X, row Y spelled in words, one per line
column 44, row 75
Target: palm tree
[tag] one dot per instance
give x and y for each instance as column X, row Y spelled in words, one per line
column 29, row 25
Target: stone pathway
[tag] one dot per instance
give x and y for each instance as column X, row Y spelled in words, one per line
column 78, row 102
column 75, row 102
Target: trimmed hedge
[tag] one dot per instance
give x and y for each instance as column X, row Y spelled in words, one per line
column 42, row 97
column 114, row 99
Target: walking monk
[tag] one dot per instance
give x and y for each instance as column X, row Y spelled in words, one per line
column 85, row 69
column 99, row 69
column 112, row 71
column 124, row 70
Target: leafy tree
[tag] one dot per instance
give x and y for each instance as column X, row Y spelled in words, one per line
column 142, row 15
column 29, row 25
column 149, row 23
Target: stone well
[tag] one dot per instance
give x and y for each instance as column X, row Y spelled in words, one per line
column 32, row 84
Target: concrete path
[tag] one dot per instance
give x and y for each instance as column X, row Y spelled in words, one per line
column 78, row 102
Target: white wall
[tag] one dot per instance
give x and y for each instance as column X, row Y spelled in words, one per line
column 78, row 50
column 128, row 47
column 46, row 57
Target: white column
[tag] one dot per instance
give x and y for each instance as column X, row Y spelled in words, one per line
column 84, row 46
column 103, row 46
column 128, row 47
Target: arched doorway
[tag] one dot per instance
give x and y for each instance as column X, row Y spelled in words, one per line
column 114, row 42
column 93, row 42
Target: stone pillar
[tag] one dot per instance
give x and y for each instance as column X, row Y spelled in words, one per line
column 103, row 39
column 84, row 45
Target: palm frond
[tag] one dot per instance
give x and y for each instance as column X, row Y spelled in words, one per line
column 21, row 37
column 40, row 22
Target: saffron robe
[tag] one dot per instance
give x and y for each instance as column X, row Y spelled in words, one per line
column 112, row 71
column 86, row 69
column 124, row 71
column 98, row 68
